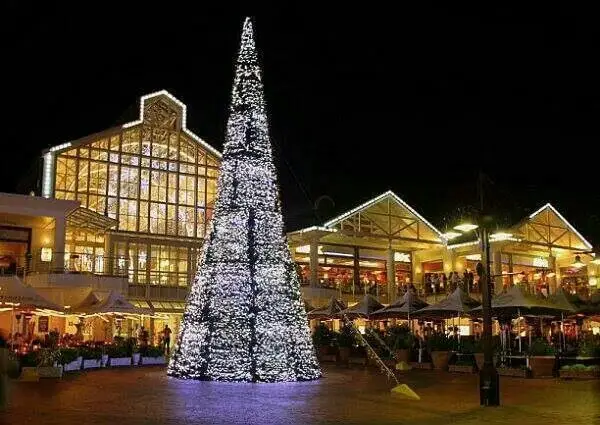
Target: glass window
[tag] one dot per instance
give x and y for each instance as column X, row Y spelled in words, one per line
column 128, row 215
column 158, row 214
column 129, row 182
column 158, row 187
column 143, row 222
column 186, row 190
column 186, row 222
column 171, row 220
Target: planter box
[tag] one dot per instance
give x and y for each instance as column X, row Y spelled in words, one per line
column 50, row 371
column 541, row 366
column 74, row 365
column 440, row 359
column 329, row 358
column 510, row 371
column 425, row 365
column 579, row 374
column 120, row 361
column 344, row 355
column 402, row 356
column 153, row 360
column 91, row 363
column 461, row 368
column 29, row 374
column 358, row 360
column 136, row 359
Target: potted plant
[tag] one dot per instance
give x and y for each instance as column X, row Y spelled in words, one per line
column 400, row 341
column 322, row 338
column 48, row 366
column 134, row 350
column 153, row 356
column 118, row 355
column 464, row 359
column 541, row 358
column 70, row 359
column 28, row 365
column 92, row 357
column 439, row 347
column 345, row 340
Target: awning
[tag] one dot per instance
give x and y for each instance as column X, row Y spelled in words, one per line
column 13, row 291
column 84, row 218
column 111, row 303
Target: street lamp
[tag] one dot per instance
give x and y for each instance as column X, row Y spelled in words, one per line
column 489, row 383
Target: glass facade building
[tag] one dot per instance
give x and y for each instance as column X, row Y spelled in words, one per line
column 156, row 178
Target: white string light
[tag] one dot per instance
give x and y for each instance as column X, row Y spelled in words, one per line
column 244, row 318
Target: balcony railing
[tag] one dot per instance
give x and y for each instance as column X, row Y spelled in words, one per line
column 60, row 262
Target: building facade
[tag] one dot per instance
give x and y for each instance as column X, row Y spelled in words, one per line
column 157, row 180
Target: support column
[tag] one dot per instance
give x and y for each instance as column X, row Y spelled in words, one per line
column 498, row 286
column 552, row 287
column 314, row 262
column 356, row 276
column 58, row 256
column 511, row 278
column 391, row 275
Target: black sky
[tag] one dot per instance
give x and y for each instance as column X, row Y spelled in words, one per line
column 361, row 101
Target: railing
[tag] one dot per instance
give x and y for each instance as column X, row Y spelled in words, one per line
column 60, row 262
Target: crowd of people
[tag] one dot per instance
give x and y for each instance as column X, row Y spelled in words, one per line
column 440, row 283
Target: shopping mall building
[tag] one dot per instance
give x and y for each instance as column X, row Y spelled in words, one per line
column 127, row 209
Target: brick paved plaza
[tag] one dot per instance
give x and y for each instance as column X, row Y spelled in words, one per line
column 355, row 396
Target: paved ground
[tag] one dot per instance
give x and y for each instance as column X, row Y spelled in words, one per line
column 356, row 396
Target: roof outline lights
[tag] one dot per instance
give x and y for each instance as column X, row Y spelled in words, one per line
column 183, row 119
column 377, row 199
column 569, row 225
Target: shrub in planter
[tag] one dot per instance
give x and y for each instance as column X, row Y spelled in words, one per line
column 118, row 355
column 153, row 355
column 70, row 359
column 322, row 338
column 344, row 340
column 92, row 356
column 589, row 347
column 580, row 371
column 48, row 363
column 400, row 341
column 439, row 347
column 541, row 360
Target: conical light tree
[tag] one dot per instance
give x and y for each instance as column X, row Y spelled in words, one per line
column 244, row 318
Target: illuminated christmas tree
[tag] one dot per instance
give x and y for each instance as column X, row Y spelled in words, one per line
column 245, row 318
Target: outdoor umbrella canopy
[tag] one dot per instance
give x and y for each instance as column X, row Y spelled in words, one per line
column 456, row 304
column 515, row 302
column 13, row 291
column 308, row 306
column 113, row 303
column 328, row 311
column 564, row 302
column 364, row 308
column 403, row 308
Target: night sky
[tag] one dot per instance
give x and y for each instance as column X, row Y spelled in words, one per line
column 360, row 101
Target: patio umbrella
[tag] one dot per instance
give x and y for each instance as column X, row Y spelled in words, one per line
column 363, row 309
column 402, row 308
column 458, row 303
column 328, row 311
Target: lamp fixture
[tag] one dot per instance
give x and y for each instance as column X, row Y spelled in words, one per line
column 577, row 264
column 466, row 227
column 449, row 235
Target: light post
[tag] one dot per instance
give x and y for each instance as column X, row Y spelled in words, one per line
column 489, row 383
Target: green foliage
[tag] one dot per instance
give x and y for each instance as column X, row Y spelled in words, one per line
column 345, row 337
column 540, row 347
column 589, row 347
column 48, row 356
column 581, row 367
column 68, row 355
column 153, row 351
column 322, row 336
column 115, row 351
column 439, row 342
column 468, row 346
column 31, row 359
column 91, row 353
column 399, row 337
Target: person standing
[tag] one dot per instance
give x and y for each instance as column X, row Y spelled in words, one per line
column 167, row 338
